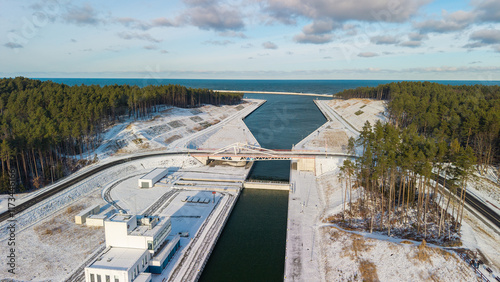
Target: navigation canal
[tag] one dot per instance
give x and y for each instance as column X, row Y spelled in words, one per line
column 252, row 245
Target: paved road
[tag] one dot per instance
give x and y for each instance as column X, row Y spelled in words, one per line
column 476, row 204
column 331, row 114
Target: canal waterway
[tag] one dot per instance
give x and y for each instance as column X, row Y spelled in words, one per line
column 252, row 245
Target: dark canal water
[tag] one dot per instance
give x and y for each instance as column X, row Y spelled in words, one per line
column 252, row 245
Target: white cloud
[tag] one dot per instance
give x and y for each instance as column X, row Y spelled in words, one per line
column 135, row 35
column 84, row 15
column 411, row 43
column 13, row 45
column 218, row 42
column 367, row 54
column 486, row 36
column 269, row 45
column 450, row 22
column 384, row 40
column 340, row 10
column 313, row 38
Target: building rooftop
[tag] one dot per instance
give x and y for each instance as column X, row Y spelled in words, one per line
column 98, row 216
column 143, row 277
column 88, row 210
column 118, row 259
column 154, row 173
column 145, row 230
column 119, row 217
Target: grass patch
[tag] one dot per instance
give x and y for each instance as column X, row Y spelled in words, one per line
column 239, row 107
column 73, row 209
column 172, row 139
column 195, row 111
column 137, row 141
column 196, row 119
column 204, row 124
column 144, row 146
column 176, row 124
column 158, row 129
column 358, row 245
column 358, row 112
column 423, row 253
column 368, row 270
column 452, row 243
column 362, row 106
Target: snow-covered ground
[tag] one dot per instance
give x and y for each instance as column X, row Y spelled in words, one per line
column 358, row 111
column 345, row 120
column 331, row 136
column 319, row 251
column 487, row 188
column 169, row 126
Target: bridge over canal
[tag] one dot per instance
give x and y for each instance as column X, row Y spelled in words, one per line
column 242, row 153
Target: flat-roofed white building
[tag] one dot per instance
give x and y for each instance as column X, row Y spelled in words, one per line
column 118, row 265
column 123, row 230
column 132, row 244
column 149, row 180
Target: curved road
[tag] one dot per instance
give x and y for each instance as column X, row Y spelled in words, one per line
column 47, row 194
column 476, row 204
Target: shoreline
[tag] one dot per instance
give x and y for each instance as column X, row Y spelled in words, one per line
column 277, row 92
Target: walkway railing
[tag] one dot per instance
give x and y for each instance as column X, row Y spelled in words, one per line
column 474, row 266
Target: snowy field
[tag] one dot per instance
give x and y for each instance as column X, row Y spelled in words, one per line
column 169, row 126
column 358, row 111
column 319, row 251
column 487, row 188
column 333, row 136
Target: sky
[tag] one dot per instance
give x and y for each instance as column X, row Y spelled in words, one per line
column 253, row 39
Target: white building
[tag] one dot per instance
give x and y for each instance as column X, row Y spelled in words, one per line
column 81, row 217
column 127, row 231
column 149, row 180
column 134, row 246
column 117, row 265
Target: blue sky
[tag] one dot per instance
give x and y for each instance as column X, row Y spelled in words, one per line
column 253, row 39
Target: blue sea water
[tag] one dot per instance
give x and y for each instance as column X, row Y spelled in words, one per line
column 304, row 86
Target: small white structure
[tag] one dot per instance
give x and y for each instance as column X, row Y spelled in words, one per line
column 95, row 220
column 149, row 180
column 132, row 243
column 81, row 217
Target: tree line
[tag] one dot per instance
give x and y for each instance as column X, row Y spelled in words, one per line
column 45, row 125
column 469, row 114
column 432, row 130
column 399, row 171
